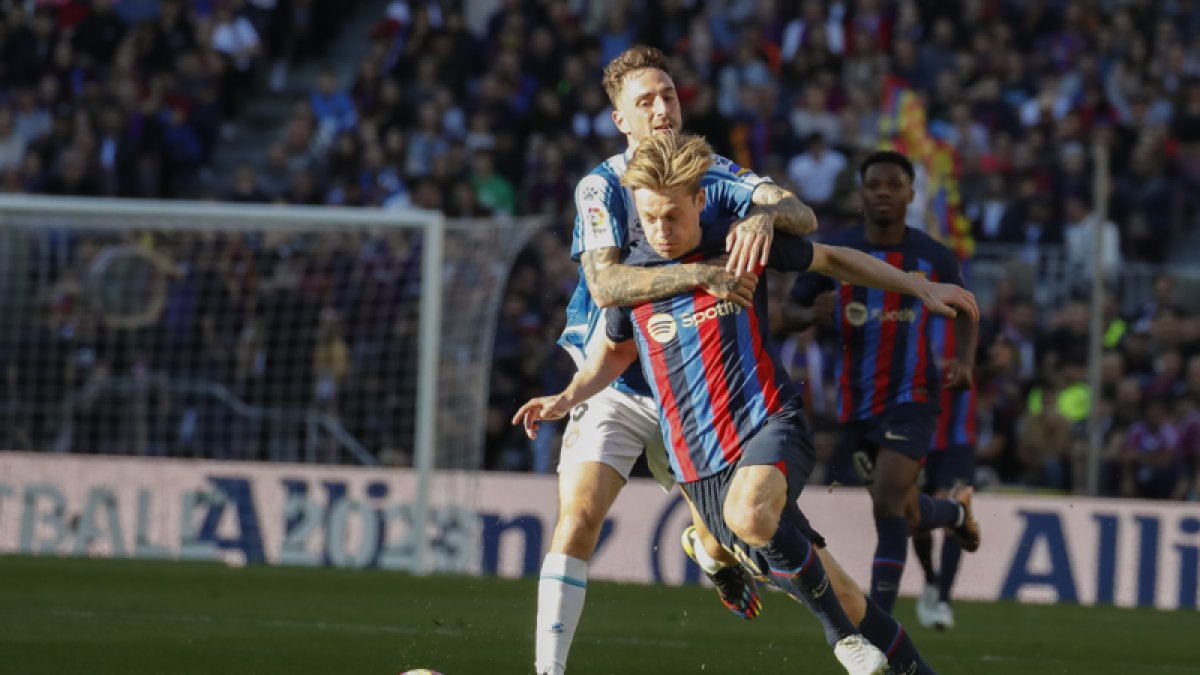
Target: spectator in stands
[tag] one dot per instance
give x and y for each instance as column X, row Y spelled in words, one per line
column 811, row 115
column 73, row 176
column 1150, row 461
column 1045, row 445
column 246, row 188
column 988, row 215
column 814, row 172
column 173, row 34
column 1037, row 229
column 494, row 192
column 1187, row 423
column 234, row 38
column 331, row 361
column 98, row 35
column 12, row 144
column 426, row 143
column 334, row 109
column 275, row 173
column 1081, row 236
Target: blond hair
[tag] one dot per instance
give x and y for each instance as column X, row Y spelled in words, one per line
column 628, row 62
column 669, row 161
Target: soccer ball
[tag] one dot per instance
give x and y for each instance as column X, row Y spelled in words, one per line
column 420, row 671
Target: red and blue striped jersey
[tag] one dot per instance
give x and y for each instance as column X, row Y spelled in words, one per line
column 712, row 373
column 887, row 355
column 956, row 422
column 606, row 218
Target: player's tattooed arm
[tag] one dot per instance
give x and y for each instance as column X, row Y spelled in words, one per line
column 615, row 285
column 789, row 214
column 749, row 240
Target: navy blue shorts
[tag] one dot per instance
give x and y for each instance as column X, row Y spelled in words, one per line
column 946, row 468
column 907, row 428
column 784, row 442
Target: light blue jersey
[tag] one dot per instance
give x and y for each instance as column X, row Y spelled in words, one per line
column 606, row 218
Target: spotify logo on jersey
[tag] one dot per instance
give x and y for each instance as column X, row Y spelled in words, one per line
column 662, row 328
column 856, row 314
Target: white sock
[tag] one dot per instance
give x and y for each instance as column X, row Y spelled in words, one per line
column 962, row 516
column 561, row 592
column 703, row 559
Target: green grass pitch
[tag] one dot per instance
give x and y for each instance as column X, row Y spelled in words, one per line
column 131, row 617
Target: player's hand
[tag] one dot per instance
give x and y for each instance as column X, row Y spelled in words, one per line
column 541, row 408
column 959, row 376
column 822, row 309
column 749, row 244
column 948, row 300
column 724, row 285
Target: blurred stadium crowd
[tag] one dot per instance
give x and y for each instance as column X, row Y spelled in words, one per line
column 502, row 114
column 130, row 98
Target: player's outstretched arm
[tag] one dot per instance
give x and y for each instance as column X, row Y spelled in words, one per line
column 860, row 269
column 602, row 367
column 749, row 240
column 960, row 374
column 615, row 285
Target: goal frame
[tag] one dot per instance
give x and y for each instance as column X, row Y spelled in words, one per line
column 183, row 215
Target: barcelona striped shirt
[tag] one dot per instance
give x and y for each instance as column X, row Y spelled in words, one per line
column 887, row 353
column 606, row 218
column 708, row 363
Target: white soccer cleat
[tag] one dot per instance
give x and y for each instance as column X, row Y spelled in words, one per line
column 860, row 657
column 927, row 607
column 944, row 616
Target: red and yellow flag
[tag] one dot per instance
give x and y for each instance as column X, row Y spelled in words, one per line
column 904, row 128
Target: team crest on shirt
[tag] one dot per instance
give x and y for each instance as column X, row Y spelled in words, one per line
column 662, row 328
column 856, row 314
column 597, row 219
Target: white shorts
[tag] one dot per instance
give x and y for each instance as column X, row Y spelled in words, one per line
column 613, row 428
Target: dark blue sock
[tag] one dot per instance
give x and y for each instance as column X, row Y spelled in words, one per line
column 937, row 513
column 951, row 555
column 886, row 633
column 797, row 570
column 923, row 546
column 888, row 565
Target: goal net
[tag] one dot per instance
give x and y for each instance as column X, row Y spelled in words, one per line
column 266, row 333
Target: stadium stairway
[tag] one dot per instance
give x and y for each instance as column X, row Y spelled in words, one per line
column 261, row 121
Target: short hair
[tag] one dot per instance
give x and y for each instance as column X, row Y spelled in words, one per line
column 669, row 161
column 887, row 157
column 630, row 61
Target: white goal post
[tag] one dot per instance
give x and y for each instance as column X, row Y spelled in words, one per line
column 234, row 331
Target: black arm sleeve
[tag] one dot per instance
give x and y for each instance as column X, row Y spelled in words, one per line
column 618, row 326
column 790, row 253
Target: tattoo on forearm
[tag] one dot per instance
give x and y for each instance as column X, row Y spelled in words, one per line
column 593, row 261
column 631, row 285
column 791, row 215
column 614, row 284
